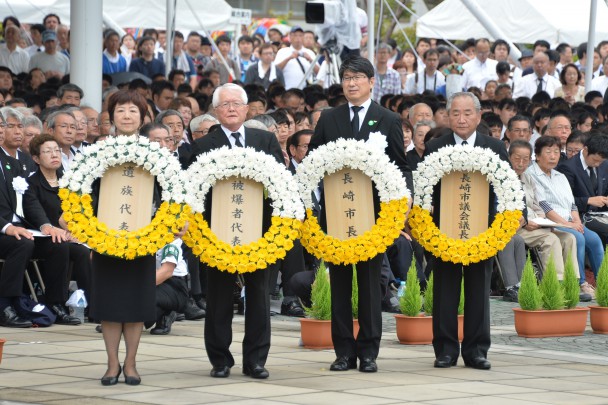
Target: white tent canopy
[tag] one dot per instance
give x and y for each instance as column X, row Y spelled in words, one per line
column 523, row 21
column 214, row 14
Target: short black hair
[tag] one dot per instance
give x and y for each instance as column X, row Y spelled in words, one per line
column 46, row 17
column 591, row 95
column 545, row 141
column 581, row 51
column 492, row 119
column 294, row 140
column 138, row 84
column 561, row 48
column 518, row 118
column 503, row 67
column 500, row 42
column 543, row 43
column 246, row 38
column 358, row 64
column 178, row 34
column 38, row 27
column 160, row 85
column 598, row 145
column 223, row 38
column 577, row 136
column 507, row 103
column 175, row 72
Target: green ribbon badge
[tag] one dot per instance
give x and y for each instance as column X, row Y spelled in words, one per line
column 371, row 122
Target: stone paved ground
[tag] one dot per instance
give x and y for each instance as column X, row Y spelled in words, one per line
column 62, row 365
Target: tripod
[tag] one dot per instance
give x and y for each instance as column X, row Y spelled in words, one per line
column 332, row 56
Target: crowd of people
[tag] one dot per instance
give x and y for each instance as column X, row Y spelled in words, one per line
column 533, row 112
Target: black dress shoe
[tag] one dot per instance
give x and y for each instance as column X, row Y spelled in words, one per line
column 163, row 325
column 180, row 317
column 10, row 319
column 192, row 312
column 445, row 362
column 111, row 380
column 368, row 365
column 292, row 308
column 343, row 363
column 220, row 372
column 480, row 363
column 201, row 303
column 256, row 371
column 63, row 317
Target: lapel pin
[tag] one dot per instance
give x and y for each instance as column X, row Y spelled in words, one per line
column 371, row 122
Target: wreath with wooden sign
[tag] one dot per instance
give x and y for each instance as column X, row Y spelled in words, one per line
column 287, row 211
column 391, row 187
column 76, row 187
column 507, row 187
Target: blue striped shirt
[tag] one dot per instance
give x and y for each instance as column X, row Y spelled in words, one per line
column 554, row 192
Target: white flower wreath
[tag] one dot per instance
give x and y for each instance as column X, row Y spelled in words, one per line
column 282, row 189
column 95, row 159
column 507, row 185
column 224, row 162
column 369, row 157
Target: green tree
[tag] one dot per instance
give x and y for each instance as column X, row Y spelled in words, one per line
column 428, row 297
column 601, row 284
column 570, row 285
column 529, row 293
column 411, row 301
column 355, row 294
column 320, row 296
column 551, row 292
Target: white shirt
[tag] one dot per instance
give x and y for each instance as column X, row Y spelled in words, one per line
column 527, row 85
column 292, row 71
column 425, row 82
column 362, row 111
column 181, row 268
column 34, row 49
column 66, row 160
column 600, row 84
column 17, row 61
column 470, row 140
column 476, row 73
column 231, row 139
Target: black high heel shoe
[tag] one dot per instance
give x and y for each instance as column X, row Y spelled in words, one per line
column 111, row 380
column 131, row 380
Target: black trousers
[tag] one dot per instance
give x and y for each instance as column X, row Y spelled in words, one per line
column 446, row 296
column 218, row 323
column 400, row 255
column 80, row 257
column 292, row 264
column 599, row 227
column 172, row 295
column 370, row 309
column 17, row 254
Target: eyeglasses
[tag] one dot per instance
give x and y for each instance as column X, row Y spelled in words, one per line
column 227, row 105
column 355, row 78
column 573, row 151
column 562, row 128
column 51, row 151
column 2, row 124
column 81, row 124
column 65, row 126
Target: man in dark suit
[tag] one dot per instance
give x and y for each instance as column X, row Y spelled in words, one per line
column 464, row 117
column 230, row 103
column 13, row 138
column 356, row 120
column 18, row 246
column 587, row 173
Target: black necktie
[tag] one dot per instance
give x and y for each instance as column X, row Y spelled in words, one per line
column 355, row 121
column 593, row 178
column 237, row 137
column 539, row 88
column 464, row 143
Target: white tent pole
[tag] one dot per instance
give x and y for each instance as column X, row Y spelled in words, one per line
column 489, row 25
column 110, row 23
column 590, row 46
column 170, row 36
column 86, row 66
column 398, row 25
column 371, row 35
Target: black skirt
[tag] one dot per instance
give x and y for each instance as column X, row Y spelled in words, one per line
column 123, row 290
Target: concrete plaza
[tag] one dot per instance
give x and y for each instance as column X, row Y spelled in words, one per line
column 63, row 364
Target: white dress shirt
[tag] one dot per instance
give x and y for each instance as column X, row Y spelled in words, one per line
column 17, row 61
column 528, row 84
column 470, row 140
column 600, row 84
column 362, row 111
column 476, row 73
column 231, row 139
column 292, row 71
column 425, row 82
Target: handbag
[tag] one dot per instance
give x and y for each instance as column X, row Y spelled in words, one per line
column 39, row 314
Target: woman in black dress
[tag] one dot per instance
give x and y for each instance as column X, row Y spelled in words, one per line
column 123, row 296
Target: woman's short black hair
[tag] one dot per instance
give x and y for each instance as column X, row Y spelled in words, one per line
column 357, row 64
column 545, row 141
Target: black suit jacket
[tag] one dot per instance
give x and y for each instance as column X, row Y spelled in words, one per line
column 27, row 163
column 11, row 168
column 41, row 203
column 481, row 140
column 261, row 141
column 580, row 183
column 335, row 124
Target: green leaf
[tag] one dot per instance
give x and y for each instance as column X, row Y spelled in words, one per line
column 550, row 290
column 410, row 302
column 320, row 296
column 529, row 293
column 601, row 284
column 570, row 285
column 428, row 297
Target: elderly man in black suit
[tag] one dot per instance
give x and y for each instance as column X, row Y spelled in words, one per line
column 356, row 120
column 464, row 113
column 230, row 103
column 587, row 173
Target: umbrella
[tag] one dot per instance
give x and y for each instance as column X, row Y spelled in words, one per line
column 126, row 77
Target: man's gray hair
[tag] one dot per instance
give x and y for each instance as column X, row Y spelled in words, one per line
column 168, row 113
column 69, row 87
column 265, row 119
column 424, row 123
column 32, row 121
column 26, row 111
column 384, row 45
column 413, row 109
column 52, row 118
column 228, row 87
column 468, row 94
column 108, row 92
column 253, row 123
column 70, row 109
column 10, row 112
column 197, row 121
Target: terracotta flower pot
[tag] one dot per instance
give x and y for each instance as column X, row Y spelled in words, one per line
column 563, row 322
column 317, row 334
column 2, row 341
column 599, row 319
column 460, row 328
column 414, row 330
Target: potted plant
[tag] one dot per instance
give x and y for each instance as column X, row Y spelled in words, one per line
column 315, row 329
column 549, row 309
column 412, row 326
column 599, row 312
